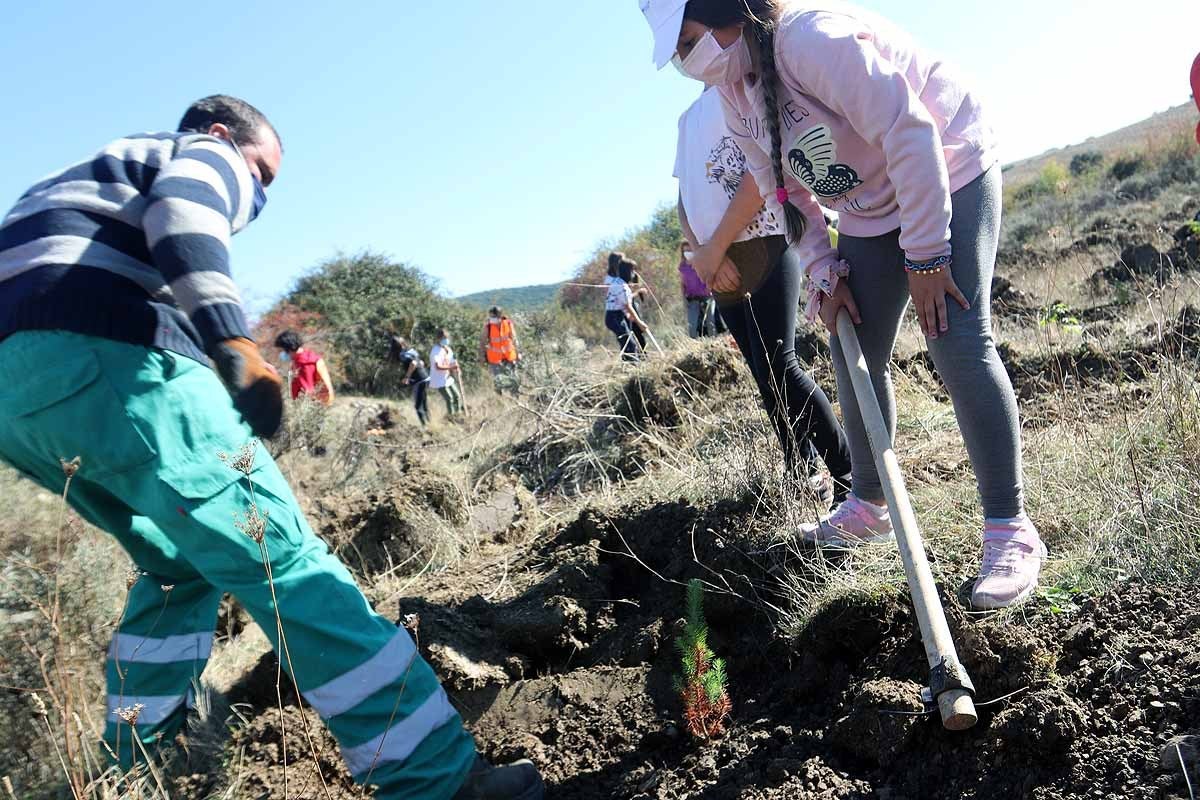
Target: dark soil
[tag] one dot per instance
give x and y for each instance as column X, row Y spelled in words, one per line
column 1144, row 261
column 380, row 529
column 559, row 646
column 570, row 663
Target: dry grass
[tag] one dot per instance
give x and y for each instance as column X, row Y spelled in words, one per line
column 1112, row 480
column 1122, row 520
column 1112, row 475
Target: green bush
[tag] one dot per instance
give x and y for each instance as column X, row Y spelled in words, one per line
column 1024, row 233
column 1140, row 187
column 1127, row 166
column 1053, row 179
column 1084, row 163
column 1179, row 165
column 364, row 299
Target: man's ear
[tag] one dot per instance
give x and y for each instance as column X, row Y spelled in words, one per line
column 221, row 131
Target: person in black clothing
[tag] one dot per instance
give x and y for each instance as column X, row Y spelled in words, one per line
column 415, row 375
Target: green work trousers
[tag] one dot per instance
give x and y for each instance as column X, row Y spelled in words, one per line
column 452, row 394
column 167, row 466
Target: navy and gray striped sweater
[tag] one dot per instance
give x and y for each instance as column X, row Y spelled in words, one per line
column 131, row 245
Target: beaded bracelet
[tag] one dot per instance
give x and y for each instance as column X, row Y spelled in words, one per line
column 928, row 267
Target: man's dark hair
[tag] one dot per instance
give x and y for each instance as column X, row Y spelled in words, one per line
column 496, row 311
column 289, row 341
column 242, row 119
column 396, row 347
column 442, row 333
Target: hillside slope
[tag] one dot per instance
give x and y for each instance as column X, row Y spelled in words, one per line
column 516, row 298
column 1149, row 132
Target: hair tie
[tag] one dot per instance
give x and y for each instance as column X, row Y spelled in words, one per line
column 781, row 194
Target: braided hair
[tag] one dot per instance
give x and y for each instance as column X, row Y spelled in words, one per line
column 761, row 18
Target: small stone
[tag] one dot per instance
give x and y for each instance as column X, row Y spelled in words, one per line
column 1147, row 659
column 1185, row 747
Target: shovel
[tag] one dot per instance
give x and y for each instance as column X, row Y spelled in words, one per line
column 949, row 686
column 462, row 393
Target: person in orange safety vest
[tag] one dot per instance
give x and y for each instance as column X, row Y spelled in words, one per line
column 498, row 349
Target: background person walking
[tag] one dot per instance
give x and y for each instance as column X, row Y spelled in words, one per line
column 309, row 373
column 414, row 375
column 619, row 314
column 500, row 351
column 446, row 374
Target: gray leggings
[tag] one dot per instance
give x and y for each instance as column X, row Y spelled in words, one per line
column 965, row 356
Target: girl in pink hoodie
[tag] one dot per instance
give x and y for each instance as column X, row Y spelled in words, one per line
column 835, row 105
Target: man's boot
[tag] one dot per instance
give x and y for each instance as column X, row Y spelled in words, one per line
column 516, row 781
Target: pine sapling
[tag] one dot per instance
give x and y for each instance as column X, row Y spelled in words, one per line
column 704, row 683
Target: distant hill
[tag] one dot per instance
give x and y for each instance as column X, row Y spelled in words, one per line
column 1155, row 130
column 518, row 298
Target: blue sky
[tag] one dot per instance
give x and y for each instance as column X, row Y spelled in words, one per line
column 496, row 142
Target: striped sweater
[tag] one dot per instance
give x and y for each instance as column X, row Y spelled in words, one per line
column 131, row 245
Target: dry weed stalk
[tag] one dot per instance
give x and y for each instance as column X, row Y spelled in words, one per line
column 254, row 525
column 54, row 672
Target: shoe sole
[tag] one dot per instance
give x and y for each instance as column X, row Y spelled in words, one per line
column 847, row 542
column 1020, row 599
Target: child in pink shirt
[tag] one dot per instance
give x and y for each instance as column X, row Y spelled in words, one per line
column 834, row 105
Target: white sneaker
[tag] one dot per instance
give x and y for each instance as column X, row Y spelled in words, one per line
column 854, row 522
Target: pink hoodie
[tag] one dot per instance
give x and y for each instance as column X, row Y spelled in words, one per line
column 873, row 126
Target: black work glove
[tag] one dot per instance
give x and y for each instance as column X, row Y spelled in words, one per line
column 256, row 387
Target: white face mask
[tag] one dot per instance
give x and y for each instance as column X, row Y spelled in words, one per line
column 687, row 256
column 710, row 64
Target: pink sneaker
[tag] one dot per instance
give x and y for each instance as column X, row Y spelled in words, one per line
column 852, row 523
column 1012, row 560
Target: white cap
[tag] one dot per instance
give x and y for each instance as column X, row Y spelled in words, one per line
column 666, row 20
